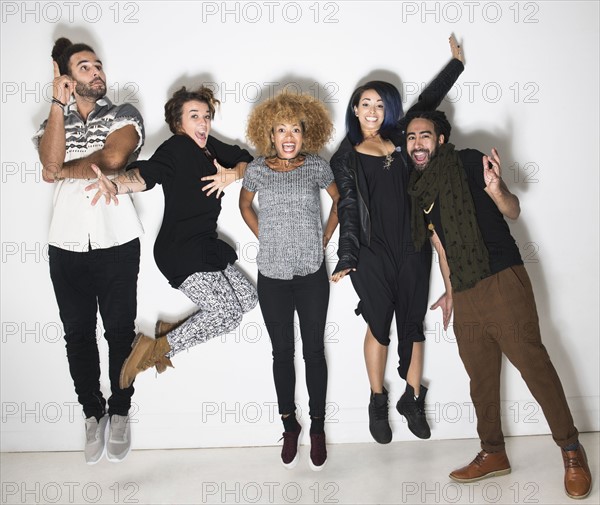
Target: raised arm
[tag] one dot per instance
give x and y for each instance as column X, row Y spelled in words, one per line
column 495, row 187
column 247, row 210
column 432, row 95
column 52, row 144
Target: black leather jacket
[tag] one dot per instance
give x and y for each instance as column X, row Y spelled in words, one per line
column 353, row 207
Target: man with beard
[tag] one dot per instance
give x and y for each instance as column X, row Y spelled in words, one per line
column 461, row 204
column 94, row 251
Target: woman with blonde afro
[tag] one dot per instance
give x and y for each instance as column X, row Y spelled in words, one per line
column 288, row 132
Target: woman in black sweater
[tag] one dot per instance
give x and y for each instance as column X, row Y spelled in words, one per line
column 187, row 249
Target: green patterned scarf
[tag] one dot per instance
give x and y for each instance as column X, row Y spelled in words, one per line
column 444, row 178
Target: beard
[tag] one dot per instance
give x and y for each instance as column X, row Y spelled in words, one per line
column 420, row 166
column 91, row 90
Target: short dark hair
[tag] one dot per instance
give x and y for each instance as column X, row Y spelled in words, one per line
column 63, row 50
column 392, row 103
column 174, row 107
column 441, row 125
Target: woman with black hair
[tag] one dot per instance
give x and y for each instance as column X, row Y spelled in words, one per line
column 375, row 246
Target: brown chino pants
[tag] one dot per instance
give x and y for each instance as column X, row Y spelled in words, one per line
column 498, row 316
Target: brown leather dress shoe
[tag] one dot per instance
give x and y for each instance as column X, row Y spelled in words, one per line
column 578, row 478
column 485, row 464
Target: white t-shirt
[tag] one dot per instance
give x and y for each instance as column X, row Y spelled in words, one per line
column 77, row 225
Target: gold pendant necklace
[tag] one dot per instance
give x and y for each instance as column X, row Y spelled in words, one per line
column 387, row 163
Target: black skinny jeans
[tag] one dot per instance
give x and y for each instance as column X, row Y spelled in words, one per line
column 309, row 296
column 84, row 282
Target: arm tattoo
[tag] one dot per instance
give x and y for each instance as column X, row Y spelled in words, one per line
column 131, row 176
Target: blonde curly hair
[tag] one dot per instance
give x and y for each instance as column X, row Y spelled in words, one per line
column 290, row 108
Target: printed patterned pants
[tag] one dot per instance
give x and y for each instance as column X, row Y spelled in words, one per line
column 222, row 297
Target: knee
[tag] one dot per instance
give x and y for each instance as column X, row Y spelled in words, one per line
column 283, row 345
column 283, row 355
column 232, row 317
column 250, row 302
column 79, row 334
column 119, row 335
column 314, row 352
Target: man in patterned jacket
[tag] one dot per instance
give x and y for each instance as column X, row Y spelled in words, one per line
column 94, row 250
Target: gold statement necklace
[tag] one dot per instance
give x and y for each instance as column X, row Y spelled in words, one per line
column 387, row 163
column 389, row 158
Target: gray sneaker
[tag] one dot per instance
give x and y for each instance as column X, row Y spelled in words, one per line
column 95, row 435
column 119, row 438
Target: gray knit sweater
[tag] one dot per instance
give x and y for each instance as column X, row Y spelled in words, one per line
column 290, row 233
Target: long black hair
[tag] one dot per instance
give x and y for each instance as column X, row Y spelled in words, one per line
column 392, row 106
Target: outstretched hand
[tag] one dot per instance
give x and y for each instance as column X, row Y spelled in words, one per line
column 219, row 181
column 457, row 51
column 105, row 187
column 341, row 274
column 445, row 303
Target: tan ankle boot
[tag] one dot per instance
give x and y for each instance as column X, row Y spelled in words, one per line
column 160, row 351
column 146, row 352
column 160, row 330
column 162, row 327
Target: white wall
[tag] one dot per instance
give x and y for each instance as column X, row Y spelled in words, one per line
column 530, row 88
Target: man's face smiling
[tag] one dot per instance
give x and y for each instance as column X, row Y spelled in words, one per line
column 421, row 142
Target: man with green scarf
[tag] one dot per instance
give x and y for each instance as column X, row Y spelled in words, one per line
column 459, row 201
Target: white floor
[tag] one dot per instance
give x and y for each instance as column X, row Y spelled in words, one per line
column 401, row 472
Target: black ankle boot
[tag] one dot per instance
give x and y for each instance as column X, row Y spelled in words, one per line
column 378, row 418
column 414, row 410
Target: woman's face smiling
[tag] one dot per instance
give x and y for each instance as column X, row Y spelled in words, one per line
column 370, row 111
column 287, row 138
column 196, row 121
